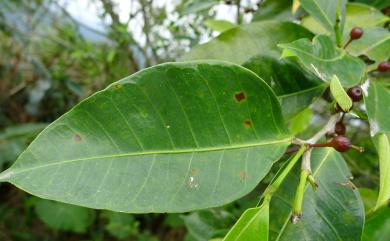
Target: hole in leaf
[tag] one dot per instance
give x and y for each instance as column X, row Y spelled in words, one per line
column 117, row 86
column 243, row 175
column 240, row 96
column 192, row 183
column 194, row 171
column 77, row 137
column 248, row 123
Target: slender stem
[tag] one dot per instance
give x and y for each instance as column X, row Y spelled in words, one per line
column 337, row 29
column 346, row 45
column 329, row 127
column 297, row 206
column 238, row 11
column 274, row 186
column 320, row 145
column 312, row 182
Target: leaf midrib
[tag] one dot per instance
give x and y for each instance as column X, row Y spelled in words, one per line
column 338, row 57
column 9, row 173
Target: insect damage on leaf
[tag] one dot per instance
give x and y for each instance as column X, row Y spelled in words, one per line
column 117, row 86
column 243, row 175
column 77, row 137
column 240, row 96
column 248, row 123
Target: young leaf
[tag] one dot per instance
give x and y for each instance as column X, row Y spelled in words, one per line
column 239, row 44
column 382, row 143
column 171, row 138
column 325, row 11
column 323, row 59
column 377, row 99
column 295, row 87
column 339, row 94
column 252, row 226
column 334, row 212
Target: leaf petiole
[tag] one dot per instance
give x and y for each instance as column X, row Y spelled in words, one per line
column 275, row 184
column 297, row 206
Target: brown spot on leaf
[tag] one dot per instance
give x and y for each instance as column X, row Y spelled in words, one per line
column 248, row 123
column 117, row 86
column 194, row 171
column 243, row 175
column 77, row 137
column 240, row 96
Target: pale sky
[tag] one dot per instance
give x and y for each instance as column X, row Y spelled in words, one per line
column 87, row 11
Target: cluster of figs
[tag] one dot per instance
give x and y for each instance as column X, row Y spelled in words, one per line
column 340, row 142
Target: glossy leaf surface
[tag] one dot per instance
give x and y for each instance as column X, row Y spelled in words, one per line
column 295, row 87
column 171, row 138
column 334, row 212
column 239, row 44
column 323, row 59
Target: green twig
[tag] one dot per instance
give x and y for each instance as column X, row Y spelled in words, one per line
column 297, row 206
column 275, row 184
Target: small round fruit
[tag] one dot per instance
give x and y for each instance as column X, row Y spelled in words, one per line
column 355, row 93
column 356, row 33
column 340, row 143
column 384, row 66
column 339, row 128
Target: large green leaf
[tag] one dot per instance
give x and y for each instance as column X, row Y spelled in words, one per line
column 252, row 225
column 239, row 44
column 325, row 11
column 334, row 212
column 377, row 226
column 295, row 87
column 363, row 16
column 382, row 143
column 375, row 43
column 377, row 99
column 325, row 60
column 274, row 9
column 357, row 15
column 171, row 138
